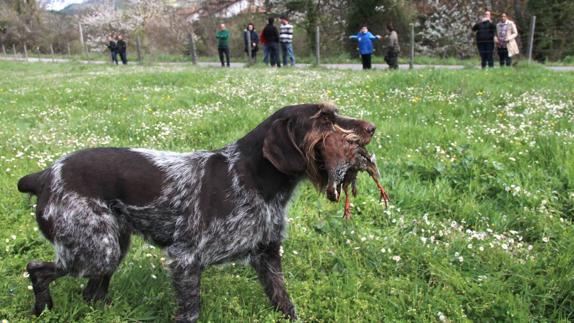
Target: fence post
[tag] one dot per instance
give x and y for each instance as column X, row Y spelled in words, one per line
column 4, row 50
column 138, row 48
column 317, row 46
column 52, row 52
column 531, row 38
column 192, row 51
column 82, row 37
column 412, row 53
column 248, row 46
column 14, row 49
column 25, row 52
column 69, row 51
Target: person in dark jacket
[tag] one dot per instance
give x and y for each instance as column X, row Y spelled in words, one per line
column 271, row 35
column 485, row 33
column 263, row 42
column 254, row 38
column 122, row 46
column 113, row 47
column 393, row 48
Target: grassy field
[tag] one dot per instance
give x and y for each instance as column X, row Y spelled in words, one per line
column 478, row 164
column 331, row 59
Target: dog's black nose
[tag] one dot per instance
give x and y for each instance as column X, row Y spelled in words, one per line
column 370, row 129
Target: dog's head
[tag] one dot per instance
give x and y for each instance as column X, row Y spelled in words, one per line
column 316, row 141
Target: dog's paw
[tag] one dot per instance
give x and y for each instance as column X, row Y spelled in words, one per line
column 42, row 305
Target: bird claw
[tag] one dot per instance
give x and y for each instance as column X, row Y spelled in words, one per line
column 347, row 211
column 384, row 196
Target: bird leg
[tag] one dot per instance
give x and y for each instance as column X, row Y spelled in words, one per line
column 347, row 212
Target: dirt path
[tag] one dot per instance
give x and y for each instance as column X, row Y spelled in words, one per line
column 239, row 65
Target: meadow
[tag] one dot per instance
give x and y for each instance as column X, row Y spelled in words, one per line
column 479, row 166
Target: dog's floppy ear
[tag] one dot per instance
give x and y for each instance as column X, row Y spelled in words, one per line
column 280, row 148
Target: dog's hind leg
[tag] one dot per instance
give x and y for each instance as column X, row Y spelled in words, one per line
column 41, row 275
column 267, row 264
column 97, row 287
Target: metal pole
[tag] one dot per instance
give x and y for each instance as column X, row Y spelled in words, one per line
column 531, row 38
column 412, row 54
column 138, row 48
column 248, row 46
column 25, row 51
column 317, row 46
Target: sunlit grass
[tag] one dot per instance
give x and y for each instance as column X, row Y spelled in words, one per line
column 478, row 165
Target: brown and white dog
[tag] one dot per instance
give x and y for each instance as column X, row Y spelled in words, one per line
column 203, row 208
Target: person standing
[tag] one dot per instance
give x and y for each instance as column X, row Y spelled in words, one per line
column 485, row 33
column 222, row 44
column 393, row 49
column 254, row 38
column 113, row 47
column 286, row 40
column 271, row 35
column 506, row 34
column 122, row 47
column 365, row 39
column 263, row 42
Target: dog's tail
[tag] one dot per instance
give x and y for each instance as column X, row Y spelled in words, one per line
column 32, row 183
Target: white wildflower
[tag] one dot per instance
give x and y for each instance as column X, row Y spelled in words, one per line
column 441, row 317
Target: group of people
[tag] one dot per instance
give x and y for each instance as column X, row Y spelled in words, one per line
column 489, row 36
column 117, row 46
column 274, row 41
column 365, row 40
column 502, row 36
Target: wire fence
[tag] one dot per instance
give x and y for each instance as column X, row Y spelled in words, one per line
column 312, row 55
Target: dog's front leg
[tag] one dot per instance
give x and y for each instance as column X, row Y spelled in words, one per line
column 267, row 263
column 186, row 283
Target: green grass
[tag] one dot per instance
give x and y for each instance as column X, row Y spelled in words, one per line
column 478, row 165
column 331, row 59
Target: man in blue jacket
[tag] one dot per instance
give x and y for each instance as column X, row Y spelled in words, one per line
column 365, row 39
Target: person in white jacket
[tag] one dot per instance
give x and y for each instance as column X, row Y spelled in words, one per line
column 505, row 39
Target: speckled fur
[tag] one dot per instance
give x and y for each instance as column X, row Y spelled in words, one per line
column 89, row 219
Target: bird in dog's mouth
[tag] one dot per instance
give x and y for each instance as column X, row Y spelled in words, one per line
column 346, row 158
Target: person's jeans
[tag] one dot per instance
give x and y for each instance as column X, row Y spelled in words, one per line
column 485, row 50
column 274, row 54
column 266, row 54
column 253, row 54
column 504, row 58
column 366, row 59
column 124, row 57
column 223, row 51
column 114, row 54
column 287, row 51
column 392, row 59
